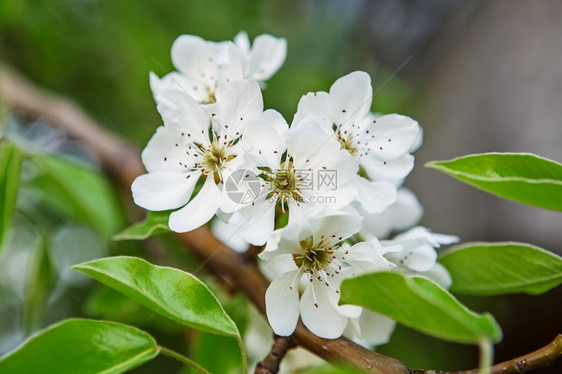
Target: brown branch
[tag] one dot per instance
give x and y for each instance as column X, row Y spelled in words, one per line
column 270, row 364
column 123, row 162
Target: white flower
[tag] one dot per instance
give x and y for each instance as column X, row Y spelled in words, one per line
column 381, row 144
column 264, row 57
column 317, row 254
column 370, row 329
column 401, row 215
column 314, row 177
column 414, row 252
column 194, row 144
column 203, row 66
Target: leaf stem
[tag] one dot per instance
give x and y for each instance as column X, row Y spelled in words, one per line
column 243, row 353
column 486, row 356
column 186, row 360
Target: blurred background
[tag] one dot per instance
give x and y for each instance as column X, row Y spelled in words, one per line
column 479, row 76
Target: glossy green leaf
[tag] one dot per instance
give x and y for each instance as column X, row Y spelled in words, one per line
column 419, row 303
column 81, row 346
column 11, row 159
column 525, row 178
column 78, row 192
column 107, row 303
column 499, row 268
column 171, row 292
column 155, row 223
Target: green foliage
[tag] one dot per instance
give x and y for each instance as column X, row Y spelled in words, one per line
column 38, row 286
column 107, row 303
column 500, row 268
column 237, row 307
column 155, row 223
column 78, row 192
column 171, row 292
column 11, row 159
column 525, row 178
column 81, row 346
column 421, row 304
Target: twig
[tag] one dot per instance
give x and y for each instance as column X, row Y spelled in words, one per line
column 270, row 364
column 123, row 162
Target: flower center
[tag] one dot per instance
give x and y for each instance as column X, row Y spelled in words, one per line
column 285, row 184
column 346, row 142
column 214, row 158
column 210, row 96
column 316, row 256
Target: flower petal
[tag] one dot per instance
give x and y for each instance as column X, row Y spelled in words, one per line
column 440, row 275
column 255, row 222
column 237, row 102
column 180, row 82
column 194, row 57
column 266, row 57
column 163, row 190
column 314, row 104
column 318, row 314
column 282, row 241
column 263, row 143
column 241, row 40
column 375, row 197
column 229, row 235
column 339, row 225
column 199, row 210
column 350, row 98
column 392, row 136
column 184, row 115
column 277, row 121
column 393, row 170
column 166, row 151
column 282, row 303
column 403, row 214
column 376, row 329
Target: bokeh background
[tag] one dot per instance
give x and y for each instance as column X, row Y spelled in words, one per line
column 479, row 76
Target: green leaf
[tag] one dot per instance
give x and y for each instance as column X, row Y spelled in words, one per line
column 525, row 178
column 170, row 292
column 11, row 159
column 81, row 346
column 107, row 303
column 421, row 304
column 38, row 286
column 500, row 268
column 155, row 223
column 78, row 192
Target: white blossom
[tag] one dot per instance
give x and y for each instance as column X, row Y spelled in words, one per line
column 196, row 145
column 318, row 256
column 313, row 177
column 414, row 253
column 401, row 215
column 381, row 144
column 204, row 66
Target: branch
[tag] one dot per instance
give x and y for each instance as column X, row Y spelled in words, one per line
column 270, row 364
column 124, row 164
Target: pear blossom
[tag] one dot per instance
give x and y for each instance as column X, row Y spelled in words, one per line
column 296, row 175
column 204, row 66
column 194, row 145
column 264, row 57
column 413, row 252
column 320, row 258
column 370, row 329
column 401, row 215
column 381, row 144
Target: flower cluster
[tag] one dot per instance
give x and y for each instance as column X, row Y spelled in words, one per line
column 320, row 194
